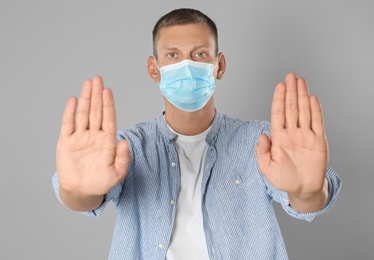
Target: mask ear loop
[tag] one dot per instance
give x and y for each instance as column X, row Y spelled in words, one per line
column 217, row 61
column 214, row 65
column 156, row 63
column 157, row 68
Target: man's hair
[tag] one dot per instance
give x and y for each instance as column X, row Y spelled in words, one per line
column 183, row 16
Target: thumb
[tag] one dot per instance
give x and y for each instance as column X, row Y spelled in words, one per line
column 123, row 158
column 263, row 152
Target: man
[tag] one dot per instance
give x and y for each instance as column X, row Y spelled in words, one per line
column 194, row 183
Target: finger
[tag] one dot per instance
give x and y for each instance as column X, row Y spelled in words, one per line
column 304, row 104
column 83, row 109
column 96, row 109
column 277, row 109
column 291, row 106
column 123, row 159
column 317, row 116
column 109, row 112
column 67, row 126
column 263, row 153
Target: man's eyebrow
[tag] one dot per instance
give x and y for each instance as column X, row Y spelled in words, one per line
column 170, row 48
column 201, row 46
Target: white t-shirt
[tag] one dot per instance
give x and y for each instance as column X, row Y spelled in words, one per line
column 188, row 237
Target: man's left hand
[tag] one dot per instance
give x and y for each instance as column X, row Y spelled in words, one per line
column 295, row 159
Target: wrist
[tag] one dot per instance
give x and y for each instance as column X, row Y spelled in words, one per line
column 312, row 202
column 79, row 202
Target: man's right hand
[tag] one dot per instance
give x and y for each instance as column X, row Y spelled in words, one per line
column 89, row 161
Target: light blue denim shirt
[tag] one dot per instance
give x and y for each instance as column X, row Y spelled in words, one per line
column 238, row 216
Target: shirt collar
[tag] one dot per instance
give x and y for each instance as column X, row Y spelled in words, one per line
column 211, row 137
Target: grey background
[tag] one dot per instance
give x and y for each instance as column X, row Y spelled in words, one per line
column 48, row 48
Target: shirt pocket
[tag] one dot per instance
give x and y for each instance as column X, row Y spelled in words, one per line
column 243, row 206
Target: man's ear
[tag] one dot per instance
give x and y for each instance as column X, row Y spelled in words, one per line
column 221, row 66
column 153, row 70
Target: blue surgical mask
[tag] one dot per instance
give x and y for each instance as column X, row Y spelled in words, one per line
column 188, row 85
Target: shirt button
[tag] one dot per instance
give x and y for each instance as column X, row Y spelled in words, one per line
column 237, row 181
column 173, row 164
column 172, row 202
column 161, row 245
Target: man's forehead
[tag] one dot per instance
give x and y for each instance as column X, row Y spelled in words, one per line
column 189, row 34
column 200, row 29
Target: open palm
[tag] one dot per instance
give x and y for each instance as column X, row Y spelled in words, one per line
column 296, row 157
column 89, row 162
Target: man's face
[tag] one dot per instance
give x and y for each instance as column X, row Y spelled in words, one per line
column 180, row 42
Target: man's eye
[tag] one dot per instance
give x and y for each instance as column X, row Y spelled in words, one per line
column 172, row 55
column 201, row 55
